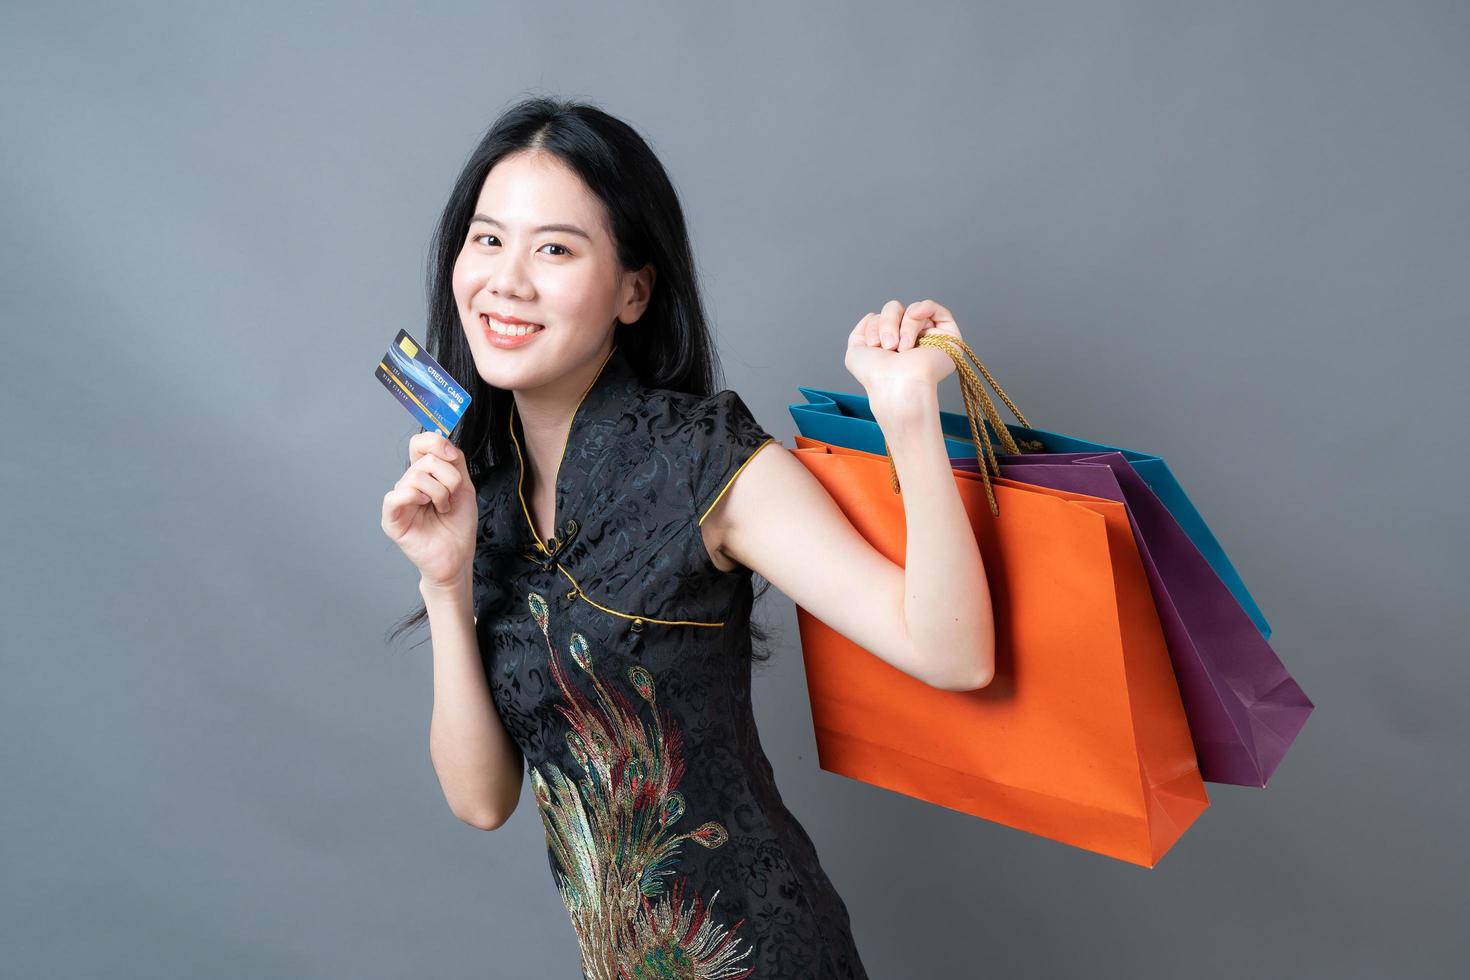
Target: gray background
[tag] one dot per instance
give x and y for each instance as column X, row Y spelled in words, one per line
column 1234, row 234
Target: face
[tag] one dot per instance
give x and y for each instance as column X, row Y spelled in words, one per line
column 567, row 280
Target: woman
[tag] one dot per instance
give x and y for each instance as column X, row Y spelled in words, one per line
column 586, row 554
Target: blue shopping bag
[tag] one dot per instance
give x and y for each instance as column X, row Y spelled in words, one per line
column 845, row 419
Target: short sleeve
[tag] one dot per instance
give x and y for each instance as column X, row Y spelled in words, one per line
column 726, row 437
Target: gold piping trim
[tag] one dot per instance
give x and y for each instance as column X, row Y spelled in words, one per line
column 521, row 462
column 769, row 439
column 577, row 590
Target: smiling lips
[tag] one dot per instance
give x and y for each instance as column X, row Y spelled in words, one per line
column 509, row 326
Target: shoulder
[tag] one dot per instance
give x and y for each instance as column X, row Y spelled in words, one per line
column 724, row 435
column 699, row 422
column 721, row 417
column 698, row 442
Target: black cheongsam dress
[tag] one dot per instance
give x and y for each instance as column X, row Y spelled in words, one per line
column 618, row 657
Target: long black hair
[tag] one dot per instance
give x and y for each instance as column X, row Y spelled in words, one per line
column 670, row 345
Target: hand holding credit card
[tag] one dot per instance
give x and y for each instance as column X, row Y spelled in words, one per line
column 422, row 386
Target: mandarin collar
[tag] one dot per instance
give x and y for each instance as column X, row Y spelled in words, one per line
column 612, row 395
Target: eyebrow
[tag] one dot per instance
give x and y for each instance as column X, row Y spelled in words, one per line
column 569, row 229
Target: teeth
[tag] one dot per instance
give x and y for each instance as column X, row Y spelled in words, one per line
column 510, row 329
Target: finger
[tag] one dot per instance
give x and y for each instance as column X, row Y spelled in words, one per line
column 431, row 442
column 941, row 318
column 870, row 330
column 399, row 507
column 858, row 337
column 450, row 458
column 425, row 482
column 888, row 323
column 909, row 328
column 420, row 443
column 448, row 474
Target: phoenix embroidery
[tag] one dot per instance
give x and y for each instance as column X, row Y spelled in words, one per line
column 612, row 834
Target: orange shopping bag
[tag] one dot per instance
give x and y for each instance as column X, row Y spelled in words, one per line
column 1081, row 737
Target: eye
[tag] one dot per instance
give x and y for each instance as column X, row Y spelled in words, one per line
column 564, row 249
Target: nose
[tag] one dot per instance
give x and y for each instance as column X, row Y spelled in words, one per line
column 507, row 276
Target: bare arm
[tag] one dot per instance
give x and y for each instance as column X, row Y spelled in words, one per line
column 431, row 514
column 931, row 618
column 479, row 765
column 946, row 595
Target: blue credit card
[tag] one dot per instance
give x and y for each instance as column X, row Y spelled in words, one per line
column 422, row 386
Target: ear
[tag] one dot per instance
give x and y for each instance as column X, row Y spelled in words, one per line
column 639, row 290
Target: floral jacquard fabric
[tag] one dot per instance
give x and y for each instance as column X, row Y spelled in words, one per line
column 618, row 658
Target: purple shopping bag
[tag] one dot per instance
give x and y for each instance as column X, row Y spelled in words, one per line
column 1244, row 709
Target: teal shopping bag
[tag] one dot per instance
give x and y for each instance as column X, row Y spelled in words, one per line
column 844, row 419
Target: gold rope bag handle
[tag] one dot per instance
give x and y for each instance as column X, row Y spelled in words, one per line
column 978, row 406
